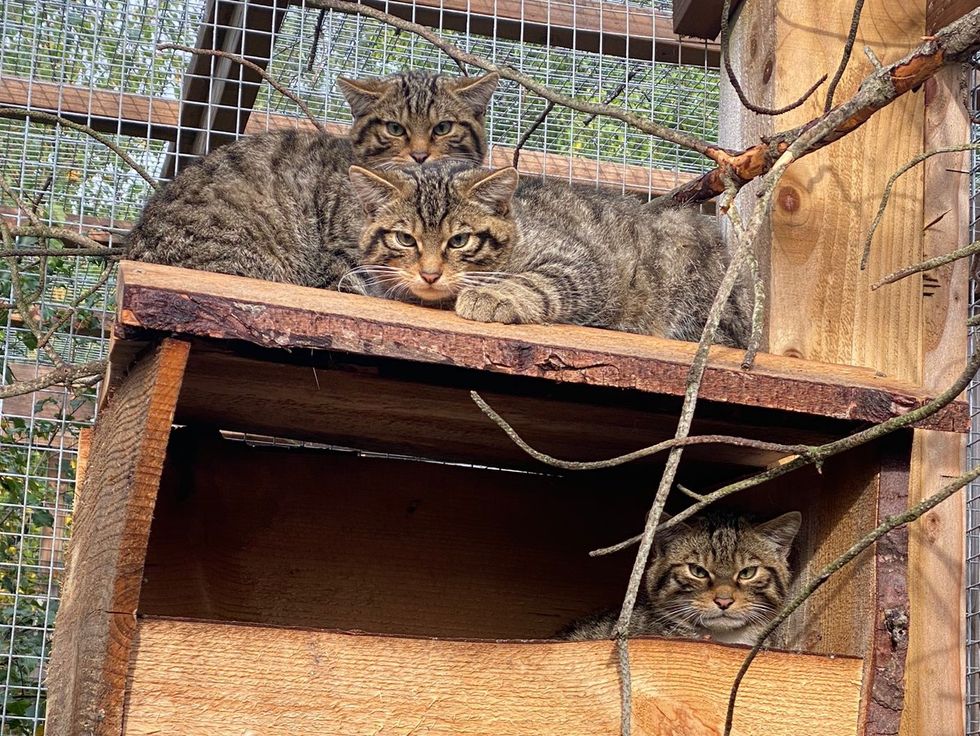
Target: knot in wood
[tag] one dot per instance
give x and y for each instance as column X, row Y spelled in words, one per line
column 897, row 626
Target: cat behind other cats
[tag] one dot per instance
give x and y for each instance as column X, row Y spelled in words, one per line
column 718, row 575
column 278, row 206
column 500, row 249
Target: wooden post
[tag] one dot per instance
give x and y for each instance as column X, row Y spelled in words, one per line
column 96, row 620
column 937, row 644
column 821, row 305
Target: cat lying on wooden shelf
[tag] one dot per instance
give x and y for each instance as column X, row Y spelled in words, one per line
column 499, row 248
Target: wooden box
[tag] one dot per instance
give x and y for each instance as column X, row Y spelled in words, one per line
column 401, row 570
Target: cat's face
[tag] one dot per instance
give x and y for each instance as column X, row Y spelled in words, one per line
column 431, row 230
column 722, row 573
column 416, row 116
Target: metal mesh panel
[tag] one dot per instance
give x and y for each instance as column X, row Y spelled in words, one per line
column 97, row 63
column 973, row 457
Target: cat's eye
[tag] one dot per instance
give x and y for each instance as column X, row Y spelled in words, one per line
column 747, row 573
column 458, row 240
column 395, row 129
column 442, row 128
column 697, row 571
column 404, row 239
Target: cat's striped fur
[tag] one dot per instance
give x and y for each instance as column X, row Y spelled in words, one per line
column 718, row 576
column 458, row 235
column 278, row 206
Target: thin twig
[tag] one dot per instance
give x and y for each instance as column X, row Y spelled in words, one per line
column 51, row 119
column 873, row 58
column 707, row 439
column 620, row 88
column 273, row 82
column 845, row 57
column 936, row 262
column 530, row 131
column 317, row 31
column 726, row 57
column 889, row 524
column 507, row 72
column 891, row 183
column 21, row 204
column 73, row 309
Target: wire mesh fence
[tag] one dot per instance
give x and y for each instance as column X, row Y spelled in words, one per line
column 973, row 457
column 98, row 64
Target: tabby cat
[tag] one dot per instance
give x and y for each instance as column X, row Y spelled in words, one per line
column 459, row 236
column 278, row 206
column 719, row 576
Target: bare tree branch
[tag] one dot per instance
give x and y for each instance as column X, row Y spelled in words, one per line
column 845, row 56
column 953, row 44
column 63, row 375
column 706, row 439
column 530, row 131
column 929, row 264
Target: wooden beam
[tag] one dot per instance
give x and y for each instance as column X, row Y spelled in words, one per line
column 196, row 303
column 940, row 13
column 597, row 26
column 96, row 620
column 142, row 116
column 937, row 642
column 700, row 18
column 293, row 681
column 218, row 94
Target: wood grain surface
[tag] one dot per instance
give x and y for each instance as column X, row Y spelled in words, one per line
column 206, row 679
column 195, row 303
column 97, row 617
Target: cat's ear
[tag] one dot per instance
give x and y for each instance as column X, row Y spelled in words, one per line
column 782, row 530
column 476, row 91
column 374, row 189
column 665, row 535
column 361, row 94
column 493, row 189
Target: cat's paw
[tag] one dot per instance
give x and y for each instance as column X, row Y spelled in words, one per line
column 498, row 303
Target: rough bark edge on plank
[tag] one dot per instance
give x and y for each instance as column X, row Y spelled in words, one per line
column 883, row 694
column 86, row 696
column 341, row 326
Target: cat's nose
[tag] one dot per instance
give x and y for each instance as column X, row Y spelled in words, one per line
column 723, row 603
column 430, row 277
column 420, row 156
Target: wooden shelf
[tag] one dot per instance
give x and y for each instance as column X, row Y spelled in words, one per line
column 291, row 681
column 275, row 316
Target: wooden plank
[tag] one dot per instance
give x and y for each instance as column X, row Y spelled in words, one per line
column 700, row 18
column 217, row 95
column 96, row 619
column 884, row 675
column 937, row 642
column 157, row 118
column 196, row 303
column 940, row 13
column 821, row 304
column 615, row 29
column 278, row 682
